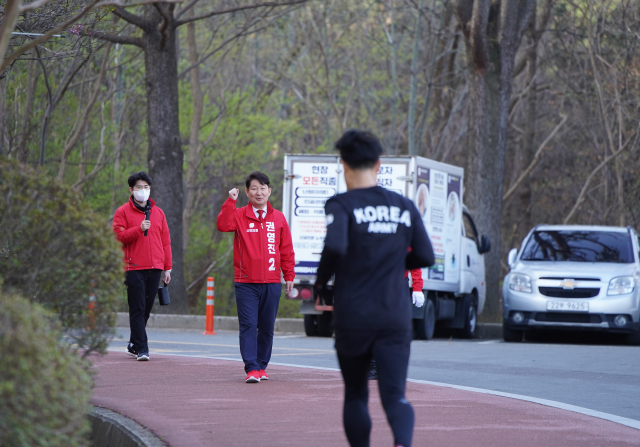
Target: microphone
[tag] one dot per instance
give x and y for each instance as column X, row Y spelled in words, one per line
column 147, row 214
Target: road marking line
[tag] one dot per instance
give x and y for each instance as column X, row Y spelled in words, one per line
column 549, row 403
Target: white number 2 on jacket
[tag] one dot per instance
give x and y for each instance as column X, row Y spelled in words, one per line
column 272, row 265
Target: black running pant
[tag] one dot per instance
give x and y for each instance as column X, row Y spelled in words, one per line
column 142, row 288
column 391, row 351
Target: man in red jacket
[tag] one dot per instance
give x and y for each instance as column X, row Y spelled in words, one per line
column 142, row 228
column 262, row 247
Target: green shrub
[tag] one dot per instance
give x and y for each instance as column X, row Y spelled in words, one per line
column 44, row 386
column 54, row 250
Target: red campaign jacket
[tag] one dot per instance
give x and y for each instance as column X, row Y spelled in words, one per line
column 140, row 252
column 416, row 279
column 259, row 251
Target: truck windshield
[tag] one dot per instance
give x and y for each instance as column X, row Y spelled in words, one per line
column 579, row 246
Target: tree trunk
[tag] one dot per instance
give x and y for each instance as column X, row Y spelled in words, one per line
column 32, row 80
column 443, row 68
column 165, row 144
column 492, row 30
column 8, row 23
column 486, row 171
column 4, row 147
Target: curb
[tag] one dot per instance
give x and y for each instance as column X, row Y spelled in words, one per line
column 293, row 325
column 489, row 331
column 111, row 429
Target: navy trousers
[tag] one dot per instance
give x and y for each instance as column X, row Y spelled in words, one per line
column 257, row 310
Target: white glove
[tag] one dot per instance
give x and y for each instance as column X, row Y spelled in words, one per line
column 418, row 299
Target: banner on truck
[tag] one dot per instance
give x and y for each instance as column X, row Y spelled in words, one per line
column 314, row 183
column 437, row 198
column 392, row 176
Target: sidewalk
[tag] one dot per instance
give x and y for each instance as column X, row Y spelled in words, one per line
column 191, row 402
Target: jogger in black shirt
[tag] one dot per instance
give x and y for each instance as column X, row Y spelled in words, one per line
column 373, row 236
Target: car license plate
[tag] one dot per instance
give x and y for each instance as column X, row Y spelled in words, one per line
column 568, row 305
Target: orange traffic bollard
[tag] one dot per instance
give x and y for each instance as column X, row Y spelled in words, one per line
column 209, row 325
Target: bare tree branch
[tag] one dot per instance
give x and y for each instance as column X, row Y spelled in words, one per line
column 24, row 48
column 224, row 258
column 242, row 32
column 99, row 165
column 9, row 19
column 185, row 8
column 240, row 8
column 131, row 18
column 478, row 34
column 34, row 5
column 85, row 116
column 133, row 5
column 114, row 38
column 604, row 162
column 464, row 10
column 535, row 160
column 165, row 16
column 54, row 98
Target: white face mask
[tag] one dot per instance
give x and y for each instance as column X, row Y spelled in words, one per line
column 141, row 195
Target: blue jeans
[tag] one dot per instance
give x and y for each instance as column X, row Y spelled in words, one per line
column 257, row 310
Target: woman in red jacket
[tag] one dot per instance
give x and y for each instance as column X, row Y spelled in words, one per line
column 142, row 228
column 262, row 247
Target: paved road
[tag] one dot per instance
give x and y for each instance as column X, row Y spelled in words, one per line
column 602, row 377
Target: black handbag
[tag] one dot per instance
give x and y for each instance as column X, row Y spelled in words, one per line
column 163, row 295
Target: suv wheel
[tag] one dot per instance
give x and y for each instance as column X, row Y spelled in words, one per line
column 511, row 335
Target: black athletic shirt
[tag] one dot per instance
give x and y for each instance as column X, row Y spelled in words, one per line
column 369, row 234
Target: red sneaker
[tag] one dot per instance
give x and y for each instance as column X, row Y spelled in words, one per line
column 264, row 375
column 253, row 377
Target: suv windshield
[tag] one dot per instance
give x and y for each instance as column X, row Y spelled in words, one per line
column 579, row 246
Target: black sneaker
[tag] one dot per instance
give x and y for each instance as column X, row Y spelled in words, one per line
column 131, row 350
column 143, row 356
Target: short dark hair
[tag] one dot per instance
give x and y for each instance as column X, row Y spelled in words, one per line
column 359, row 149
column 139, row 176
column 259, row 176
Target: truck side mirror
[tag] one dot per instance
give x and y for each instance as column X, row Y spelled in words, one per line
column 485, row 244
column 513, row 254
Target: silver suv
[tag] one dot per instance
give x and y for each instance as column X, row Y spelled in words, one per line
column 574, row 277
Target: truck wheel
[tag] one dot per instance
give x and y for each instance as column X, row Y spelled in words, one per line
column 311, row 325
column 634, row 339
column 324, row 324
column 470, row 318
column 511, row 335
column 426, row 326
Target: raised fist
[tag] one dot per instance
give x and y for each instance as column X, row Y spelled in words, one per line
column 233, row 194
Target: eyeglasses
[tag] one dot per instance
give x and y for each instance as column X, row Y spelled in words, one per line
column 141, row 187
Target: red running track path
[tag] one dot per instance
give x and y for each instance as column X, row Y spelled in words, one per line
column 191, row 402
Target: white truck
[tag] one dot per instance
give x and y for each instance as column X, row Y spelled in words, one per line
column 455, row 286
